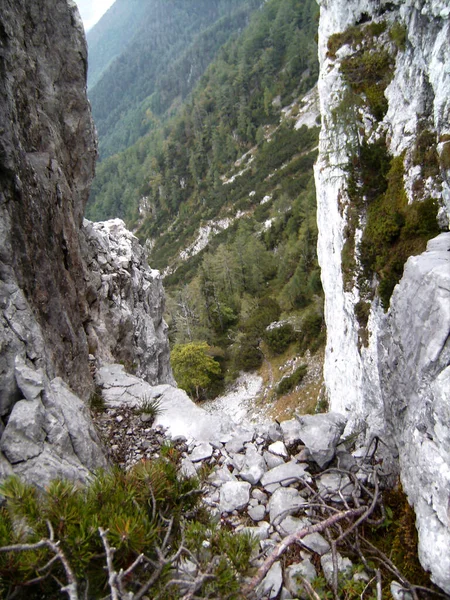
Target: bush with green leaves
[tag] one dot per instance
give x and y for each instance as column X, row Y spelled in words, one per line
column 194, row 368
column 278, row 339
column 291, row 381
column 150, row 510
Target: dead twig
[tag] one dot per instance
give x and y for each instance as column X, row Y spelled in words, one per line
column 281, row 548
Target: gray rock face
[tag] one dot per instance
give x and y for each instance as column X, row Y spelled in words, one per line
column 52, row 437
column 47, row 157
column 396, row 385
column 65, row 291
column 126, row 304
column 416, row 390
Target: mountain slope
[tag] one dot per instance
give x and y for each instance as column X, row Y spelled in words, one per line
column 112, row 34
column 167, row 49
column 224, row 197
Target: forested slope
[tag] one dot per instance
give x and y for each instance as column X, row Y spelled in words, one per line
column 152, row 69
column 223, row 193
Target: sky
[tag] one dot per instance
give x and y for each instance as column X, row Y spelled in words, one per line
column 92, row 10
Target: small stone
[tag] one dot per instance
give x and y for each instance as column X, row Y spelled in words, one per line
column 119, row 418
column 399, row 592
column 279, row 449
column 295, row 573
column 270, row 586
column 272, row 460
column 333, row 485
column 261, row 532
column 344, row 566
column 316, row 543
column 201, row 451
column 257, row 513
column 275, row 433
column 291, row 525
column 284, row 474
column 259, row 495
column 283, row 502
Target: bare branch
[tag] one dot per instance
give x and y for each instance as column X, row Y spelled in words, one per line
column 112, row 575
column 295, row 537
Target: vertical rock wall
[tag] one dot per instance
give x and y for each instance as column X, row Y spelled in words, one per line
column 47, row 157
column 391, row 377
column 66, row 291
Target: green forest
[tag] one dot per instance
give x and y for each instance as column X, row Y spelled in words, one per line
column 187, row 169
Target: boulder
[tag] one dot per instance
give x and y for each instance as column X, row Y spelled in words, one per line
column 321, row 433
column 24, row 434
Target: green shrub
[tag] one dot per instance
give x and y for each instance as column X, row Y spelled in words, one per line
column 444, row 158
column 289, row 383
column 278, row 339
column 312, row 331
column 194, row 368
column 398, row 34
column 247, row 355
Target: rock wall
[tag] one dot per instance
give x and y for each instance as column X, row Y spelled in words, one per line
column 126, row 303
column 391, row 376
column 71, row 296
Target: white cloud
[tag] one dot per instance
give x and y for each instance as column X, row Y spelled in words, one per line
column 92, row 10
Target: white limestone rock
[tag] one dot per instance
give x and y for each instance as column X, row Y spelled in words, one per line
column 284, row 475
column 179, row 415
column 279, row 449
column 24, row 434
column 257, row 513
column 296, row 572
column 272, row 460
column 201, row 451
column 416, row 383
column 126, row 314
column 270, row 586
column 321, row 433
column 254, row 466
column 344, row 565
column 291, row 431
column 234, row 495
column 29, row 380
column 334, row 486
column 284, row 502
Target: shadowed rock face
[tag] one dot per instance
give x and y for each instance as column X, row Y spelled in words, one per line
column 47, row 157
column 66, row 291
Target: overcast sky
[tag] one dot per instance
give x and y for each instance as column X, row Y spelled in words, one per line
column 92, row 10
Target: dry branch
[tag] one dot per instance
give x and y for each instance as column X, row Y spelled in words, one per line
column 296, row 537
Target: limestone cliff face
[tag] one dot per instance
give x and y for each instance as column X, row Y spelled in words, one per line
column 384, row 156
column 126, row 304
column 65, row 291
column 47, row 156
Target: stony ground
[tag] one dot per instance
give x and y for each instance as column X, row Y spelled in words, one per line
column 273, row 481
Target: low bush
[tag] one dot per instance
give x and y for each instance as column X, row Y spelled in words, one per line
column 291, row 381
column 86, row 537
column 278, row 339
